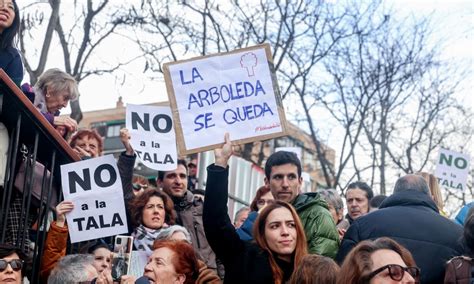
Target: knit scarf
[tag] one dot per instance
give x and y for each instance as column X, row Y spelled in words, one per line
column 143, row 238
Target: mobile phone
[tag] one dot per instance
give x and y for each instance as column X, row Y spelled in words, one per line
column 121, row 259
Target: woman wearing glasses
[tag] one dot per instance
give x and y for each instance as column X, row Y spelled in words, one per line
column 377, row 262
column 11, row 264
column 263, row 197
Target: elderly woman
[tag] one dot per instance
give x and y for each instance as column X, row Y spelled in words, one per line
column 336, row 208
column 379, row 261
column 179, row 233
column 87, row 143
column 172, row 262
column 51, row 93
column 280, row 242
column 11, row 264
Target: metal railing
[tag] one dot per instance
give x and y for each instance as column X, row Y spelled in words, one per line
column 32, row 141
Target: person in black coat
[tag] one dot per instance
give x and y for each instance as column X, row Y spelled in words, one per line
column 280, row 240
column 10, row 58
column 410, row 217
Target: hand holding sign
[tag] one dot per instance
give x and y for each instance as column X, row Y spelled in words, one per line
column 222, row 155
column 95, row 189
column 125, row 138
column 152, row 136
column 63, row 208
column 233, row 92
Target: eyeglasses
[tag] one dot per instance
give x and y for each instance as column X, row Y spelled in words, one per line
column 16, row 264
column 262, row 202
column 396, row 272
column 138, row 186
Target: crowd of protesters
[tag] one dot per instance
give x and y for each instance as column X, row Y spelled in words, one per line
column 284, row 236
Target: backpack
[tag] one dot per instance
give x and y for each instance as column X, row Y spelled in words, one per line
column 460, row 269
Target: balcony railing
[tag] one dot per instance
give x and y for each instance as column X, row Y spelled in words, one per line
column 32, row 140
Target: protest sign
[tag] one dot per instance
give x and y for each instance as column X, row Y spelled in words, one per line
column 452, row 169
column 233, row 92
column 152, row 136
column 95, row 189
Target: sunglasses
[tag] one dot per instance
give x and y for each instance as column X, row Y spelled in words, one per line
column 396, row 272
column 138, row 186
column 16, row 264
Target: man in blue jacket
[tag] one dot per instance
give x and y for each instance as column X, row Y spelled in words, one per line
column 410, row 217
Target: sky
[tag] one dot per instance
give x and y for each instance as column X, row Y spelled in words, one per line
column 453, row 23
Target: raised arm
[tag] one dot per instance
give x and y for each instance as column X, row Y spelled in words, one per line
column 56, row 240
column 125, row 164
column 220, row 232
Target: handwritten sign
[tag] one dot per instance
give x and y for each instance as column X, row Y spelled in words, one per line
column 233, row 92
column 452, row 169
column 95, row 188
column 152, row 136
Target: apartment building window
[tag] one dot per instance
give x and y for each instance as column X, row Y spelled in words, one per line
column 114, row 130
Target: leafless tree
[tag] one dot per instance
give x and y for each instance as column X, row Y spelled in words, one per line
column 377, row 75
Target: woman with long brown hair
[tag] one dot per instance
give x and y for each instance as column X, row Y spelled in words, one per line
column 280, row 241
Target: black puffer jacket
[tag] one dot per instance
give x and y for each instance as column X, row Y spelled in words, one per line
column 411, row 218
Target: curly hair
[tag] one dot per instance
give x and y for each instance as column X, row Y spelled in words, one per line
column 139, row 202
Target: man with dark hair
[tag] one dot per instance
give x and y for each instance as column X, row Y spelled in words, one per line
column 188, row 209
column 358, row 196
column 410, row 217
column 283, row 177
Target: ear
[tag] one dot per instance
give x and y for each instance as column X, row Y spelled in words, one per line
column 267, row 182
column 180, row 278
column 48, row 93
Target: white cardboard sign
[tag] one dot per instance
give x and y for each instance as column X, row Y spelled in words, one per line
column 95, row 188
column 152, row 136
column 233, row 92
column 452, row 169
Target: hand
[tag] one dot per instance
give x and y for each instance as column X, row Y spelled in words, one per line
column 61, row 209
column 222, row 155
column 105, row 277
column 125, row 138
column 81, row 152
column 341, row 233
column 66, row 121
